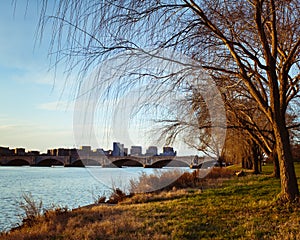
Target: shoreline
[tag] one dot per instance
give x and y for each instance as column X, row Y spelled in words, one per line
column 240, row 208
column 230, row 208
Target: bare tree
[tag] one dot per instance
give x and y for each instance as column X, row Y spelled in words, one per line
column 255, row 42
column 248, row 131
column 193, row 123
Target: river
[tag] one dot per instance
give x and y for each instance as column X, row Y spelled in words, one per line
column 58, row 186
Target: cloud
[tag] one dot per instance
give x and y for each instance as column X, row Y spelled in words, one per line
column 57, row 106
column 8, row 126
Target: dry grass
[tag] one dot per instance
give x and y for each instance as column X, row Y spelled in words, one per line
column 32, row 208
column 243, row 208
column 159, row 196
column 179, row 179
column 98, row 222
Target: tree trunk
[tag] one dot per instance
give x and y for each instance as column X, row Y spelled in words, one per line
column 274, row 157
column 220, row 161
column 260, row 164
column 256, row 156
column 256, row 166
column 247, row 162
column 289, row 185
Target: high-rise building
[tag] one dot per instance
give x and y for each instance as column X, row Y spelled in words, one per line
column 99, row 152
column 152, row 151
column 122, row 153
column 63, row 152
column 125, row 151
column 52, row 152
column 136, row 151
column 86, row 148
column 74, row 153
column 85, row 151
column 19, row 151
column 118, row 149
column 5, row 151
column 168, row 151
column 33, row 153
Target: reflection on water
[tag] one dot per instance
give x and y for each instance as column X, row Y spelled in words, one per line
column 71, row 187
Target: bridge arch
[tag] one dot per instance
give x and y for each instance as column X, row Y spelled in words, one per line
column 127, row 163
column 160, row 163
column 18, row 162
column 177, row 163
column 77, row 163
column 85, row 163
column 48, row 162
column 168, row 163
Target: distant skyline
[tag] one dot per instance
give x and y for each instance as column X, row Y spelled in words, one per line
column 143, row 148
column 36, row 107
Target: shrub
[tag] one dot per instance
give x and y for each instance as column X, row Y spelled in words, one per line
column 100, row 199
column 154, row 182
column 218, row 172
column 117, row 196
column 31, row 207
column 177, row 179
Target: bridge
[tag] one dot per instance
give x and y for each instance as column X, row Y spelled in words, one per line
column 42, row 160
column 102, row 161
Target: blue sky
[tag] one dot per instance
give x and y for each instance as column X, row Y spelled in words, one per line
column 36, row 108
column 35, row 111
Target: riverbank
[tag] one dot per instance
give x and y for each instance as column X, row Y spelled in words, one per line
column 238, row 208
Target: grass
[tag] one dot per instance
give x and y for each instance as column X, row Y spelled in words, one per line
column 239, row 208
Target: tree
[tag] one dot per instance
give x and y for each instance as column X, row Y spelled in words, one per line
column 253, row 42
column 193, row 122
column 247, row 131
column 247, row 121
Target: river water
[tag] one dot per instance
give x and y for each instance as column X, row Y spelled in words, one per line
column 58, row 186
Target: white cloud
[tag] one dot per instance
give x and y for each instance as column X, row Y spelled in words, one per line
column 57, row 106
column 8, row 126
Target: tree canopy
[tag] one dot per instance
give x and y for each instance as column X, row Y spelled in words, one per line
column 254, row 43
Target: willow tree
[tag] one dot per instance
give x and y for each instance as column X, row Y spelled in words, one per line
column 253, row 42
column 248, row 132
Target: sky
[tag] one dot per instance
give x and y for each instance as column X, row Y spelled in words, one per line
column 37, row 109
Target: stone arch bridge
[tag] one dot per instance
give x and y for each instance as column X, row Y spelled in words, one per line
column 103, row 161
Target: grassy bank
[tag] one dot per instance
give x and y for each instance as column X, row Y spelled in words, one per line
column 242, row 208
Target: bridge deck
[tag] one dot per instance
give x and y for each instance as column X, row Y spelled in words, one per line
column 104, row 161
